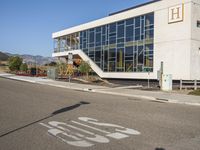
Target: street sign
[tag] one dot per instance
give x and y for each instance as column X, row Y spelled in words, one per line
column 70, row 59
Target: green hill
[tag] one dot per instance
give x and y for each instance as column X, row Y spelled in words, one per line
column 3, row 57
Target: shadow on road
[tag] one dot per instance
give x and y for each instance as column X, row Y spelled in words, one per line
column 62, row 110
column 160, row 149
column 69, row 108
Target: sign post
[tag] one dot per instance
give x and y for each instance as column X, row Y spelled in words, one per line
column 70, row 66
column 148, row 79
column 161, row 74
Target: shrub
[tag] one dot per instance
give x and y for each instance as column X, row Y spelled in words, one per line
column 24, row 67
column 195, row 92
column 14, row 63
column 84, row 68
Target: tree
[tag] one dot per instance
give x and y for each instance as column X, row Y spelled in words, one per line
column 62, row 68
column 84, row 68
column 24, row 67
column 70, row 70
column 14, row 63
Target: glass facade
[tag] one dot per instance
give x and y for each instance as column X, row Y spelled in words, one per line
column 123, row 46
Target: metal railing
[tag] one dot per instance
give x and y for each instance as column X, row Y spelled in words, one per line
column 189, row 84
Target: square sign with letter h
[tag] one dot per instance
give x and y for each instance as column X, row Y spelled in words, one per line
column 176, row 13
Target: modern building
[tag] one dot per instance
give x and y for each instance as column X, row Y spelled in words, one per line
column 132, row 43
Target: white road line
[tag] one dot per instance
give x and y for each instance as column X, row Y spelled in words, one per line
column 115, row 135
column 95, row 138
column 78, row 142
column 121, row 129
column 45, row 125
column 103, row 131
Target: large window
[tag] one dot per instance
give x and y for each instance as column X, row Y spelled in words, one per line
column 123, row 46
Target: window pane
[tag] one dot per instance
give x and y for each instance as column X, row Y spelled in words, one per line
column 112, row 27
column 120, row 23
column 112, row 40
column 140, row 55
column 98, row 39
column 120, row 59
column 137, row 34
column 129, row 51
column 105, row 58
column 129, row 21
column 98, row 29
column 149, row 19
column 112, row 53
column 120, row 31
column 137, row 22
column 97, row 56
column 128, row 66
column 129, row 32
column 112, row 66
column 91, row 37
column 103, row 29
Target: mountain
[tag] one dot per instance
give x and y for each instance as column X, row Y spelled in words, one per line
column 39, row 60
column 34, row 59
column 3, row 56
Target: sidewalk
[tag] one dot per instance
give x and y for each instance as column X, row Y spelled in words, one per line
column 168, row 97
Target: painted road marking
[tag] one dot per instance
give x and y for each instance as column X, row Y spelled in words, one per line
column 59, row 134
column 95, row 138
column 91, row 127
column 109, row 134
column 95, row 122
column 83, row 138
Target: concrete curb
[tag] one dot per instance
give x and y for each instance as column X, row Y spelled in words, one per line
column 13, row 78
column 17, row 79
column 105, row 92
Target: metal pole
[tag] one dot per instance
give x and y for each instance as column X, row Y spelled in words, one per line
column 181, row 84
column 195, row 84
column 161, row 74
column 148, row 79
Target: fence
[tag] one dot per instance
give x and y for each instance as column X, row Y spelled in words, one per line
column 189, row 84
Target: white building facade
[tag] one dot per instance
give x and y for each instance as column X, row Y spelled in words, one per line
column 131, row 44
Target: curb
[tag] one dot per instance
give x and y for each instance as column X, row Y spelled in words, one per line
column 127, row 95
column 17, row 79
column 105, row 92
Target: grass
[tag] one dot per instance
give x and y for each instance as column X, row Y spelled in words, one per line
column 3, row 66
column 4, row 69
column 195, row 92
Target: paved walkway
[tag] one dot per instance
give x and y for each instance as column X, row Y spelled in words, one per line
column 170, row 97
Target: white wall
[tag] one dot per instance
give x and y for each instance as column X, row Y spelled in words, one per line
column 195, row 42
column 172, row 43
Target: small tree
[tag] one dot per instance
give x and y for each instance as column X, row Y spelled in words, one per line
column 24, row 67
column 84, row 68
column 14, row 63
column 62, row 68
column 70, row 70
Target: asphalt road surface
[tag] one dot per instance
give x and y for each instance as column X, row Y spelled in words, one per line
column 40, row 117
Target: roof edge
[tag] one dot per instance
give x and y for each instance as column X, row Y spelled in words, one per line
column 137, row 6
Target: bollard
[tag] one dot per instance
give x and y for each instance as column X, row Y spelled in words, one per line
column 181, row 84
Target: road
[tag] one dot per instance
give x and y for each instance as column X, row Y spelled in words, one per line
column 40, row 117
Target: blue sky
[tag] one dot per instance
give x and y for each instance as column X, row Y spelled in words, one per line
column 26, row 26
